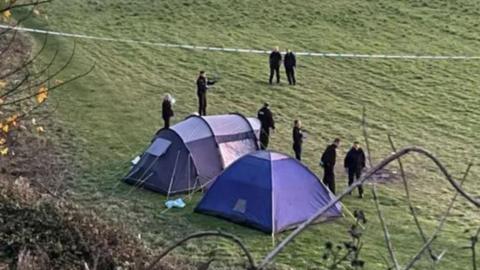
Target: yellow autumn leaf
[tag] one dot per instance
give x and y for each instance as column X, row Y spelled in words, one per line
column 2, row 84
column 4, row 151
column 5, row 128
column 6, row 15
column 40, row 130
column 42, row 94
column 2, row 141
column 12, row 120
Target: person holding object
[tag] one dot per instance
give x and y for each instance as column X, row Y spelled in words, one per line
column 354, row 164
column 275, row 62
column 327, row 161
column 266, row 123
column 167, row 111
column 297, row 139
column 202, row 86
column 290, row 63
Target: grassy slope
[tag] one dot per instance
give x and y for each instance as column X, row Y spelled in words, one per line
column 428, row 103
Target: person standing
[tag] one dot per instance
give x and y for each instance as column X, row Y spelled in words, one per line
column 275, row 62
column 354, row 164
column 290, row 63
column 327, row 161
column 266, row 123
column 297, row 139
column 167, row 111
column 202, row 87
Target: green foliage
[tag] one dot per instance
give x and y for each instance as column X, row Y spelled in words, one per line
column 68, row 236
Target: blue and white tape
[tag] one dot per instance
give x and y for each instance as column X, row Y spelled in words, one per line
column 239, row 50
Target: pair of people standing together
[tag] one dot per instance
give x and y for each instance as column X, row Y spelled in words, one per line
column 289, row 62
column 354, row 164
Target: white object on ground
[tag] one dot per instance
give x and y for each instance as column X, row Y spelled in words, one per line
column 178, row 203
column 135, row 160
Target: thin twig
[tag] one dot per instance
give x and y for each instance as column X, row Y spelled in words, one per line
column 409, row 201
column 384, row 228
column 27, row 62
column 420, row 252
column 474, row 241
column 269, row 257
column 10, row 7
column 50, row 90
column 228, row 236
column 452, row 202
column 365, row 136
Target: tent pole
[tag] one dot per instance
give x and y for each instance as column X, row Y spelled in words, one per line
column 173, row 176
column 188, row 173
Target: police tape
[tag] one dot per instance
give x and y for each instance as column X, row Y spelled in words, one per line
column 239, row 50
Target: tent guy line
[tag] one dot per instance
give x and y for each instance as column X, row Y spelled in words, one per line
column 239, row 50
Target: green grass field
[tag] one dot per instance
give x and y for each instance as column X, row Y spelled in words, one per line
column 434, row 104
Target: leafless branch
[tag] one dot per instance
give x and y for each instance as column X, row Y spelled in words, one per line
column 51, row 76
column 227, row 236
column 364, row 178
column 28, row 62
column 409, row 201
column 19, row 21
column 365, row 136
column 420, row 252
column 51, row 89
column 385, row 229
column 9, row 44
column 36, row 3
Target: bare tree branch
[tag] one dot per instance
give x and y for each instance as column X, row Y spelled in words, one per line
column 11, row 7
column 363, row 179
column 384, row 228
column 51, row 89
column 420, row 252
column 26, row 63
column 409, row 201
column 227, row 236
column 365, row 136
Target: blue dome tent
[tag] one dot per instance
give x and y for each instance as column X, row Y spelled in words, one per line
column 268, row 191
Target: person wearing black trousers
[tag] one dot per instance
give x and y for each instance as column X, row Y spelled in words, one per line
column 328, row 163
column 266, row 123
column 167, row 111
column 290, row 63
column 202, row 86
column 354, row 164
column 297, row 139
column 275, row 61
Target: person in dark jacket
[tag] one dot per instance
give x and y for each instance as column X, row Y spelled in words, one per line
column 202, row 86
column 266, row 123
column 275, row 62
column 354, row 164
column 167, row 111
column 290, row 63
column 328, row 163
column 297, row 139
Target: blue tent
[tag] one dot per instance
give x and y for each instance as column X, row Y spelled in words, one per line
column 268, row 191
